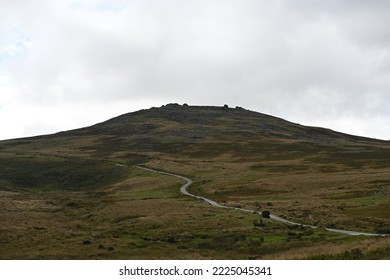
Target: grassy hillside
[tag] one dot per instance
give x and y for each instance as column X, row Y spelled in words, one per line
column 76, row 194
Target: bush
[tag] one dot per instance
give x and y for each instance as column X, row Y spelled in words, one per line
column 258, row 224
column 354, row 254
column 87, row 242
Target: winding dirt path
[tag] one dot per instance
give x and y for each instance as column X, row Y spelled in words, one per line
column 184, row 190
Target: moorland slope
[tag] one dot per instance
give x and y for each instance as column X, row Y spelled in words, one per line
column 76, row 194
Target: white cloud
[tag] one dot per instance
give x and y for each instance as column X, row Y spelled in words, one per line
column 308, row 61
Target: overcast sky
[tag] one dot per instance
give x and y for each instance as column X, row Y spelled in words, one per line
column 66, row 64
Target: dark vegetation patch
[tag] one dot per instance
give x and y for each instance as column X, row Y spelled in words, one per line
column 357, row 254
column 375, row 158
column 350, row 194
column 209, row 150
column 280, row 168
column 328, row 168
column 245, row 191
column 380, row 183
column 31, row 173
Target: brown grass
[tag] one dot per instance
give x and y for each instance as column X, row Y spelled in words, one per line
column 234, row 157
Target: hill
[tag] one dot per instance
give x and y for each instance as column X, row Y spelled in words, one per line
column 81, row 186
column 183, row 129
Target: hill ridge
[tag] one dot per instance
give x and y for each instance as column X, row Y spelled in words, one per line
column 209, row 116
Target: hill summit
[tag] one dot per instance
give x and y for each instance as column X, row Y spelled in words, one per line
column 195, row 131
column 191, row 123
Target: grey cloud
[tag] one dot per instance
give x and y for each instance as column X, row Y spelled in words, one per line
column 303, row 60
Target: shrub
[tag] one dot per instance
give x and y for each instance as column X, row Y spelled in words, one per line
column 258, row 224
column 87, row 242
column 171, row 239
column 354, row 254
column 293, row 235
